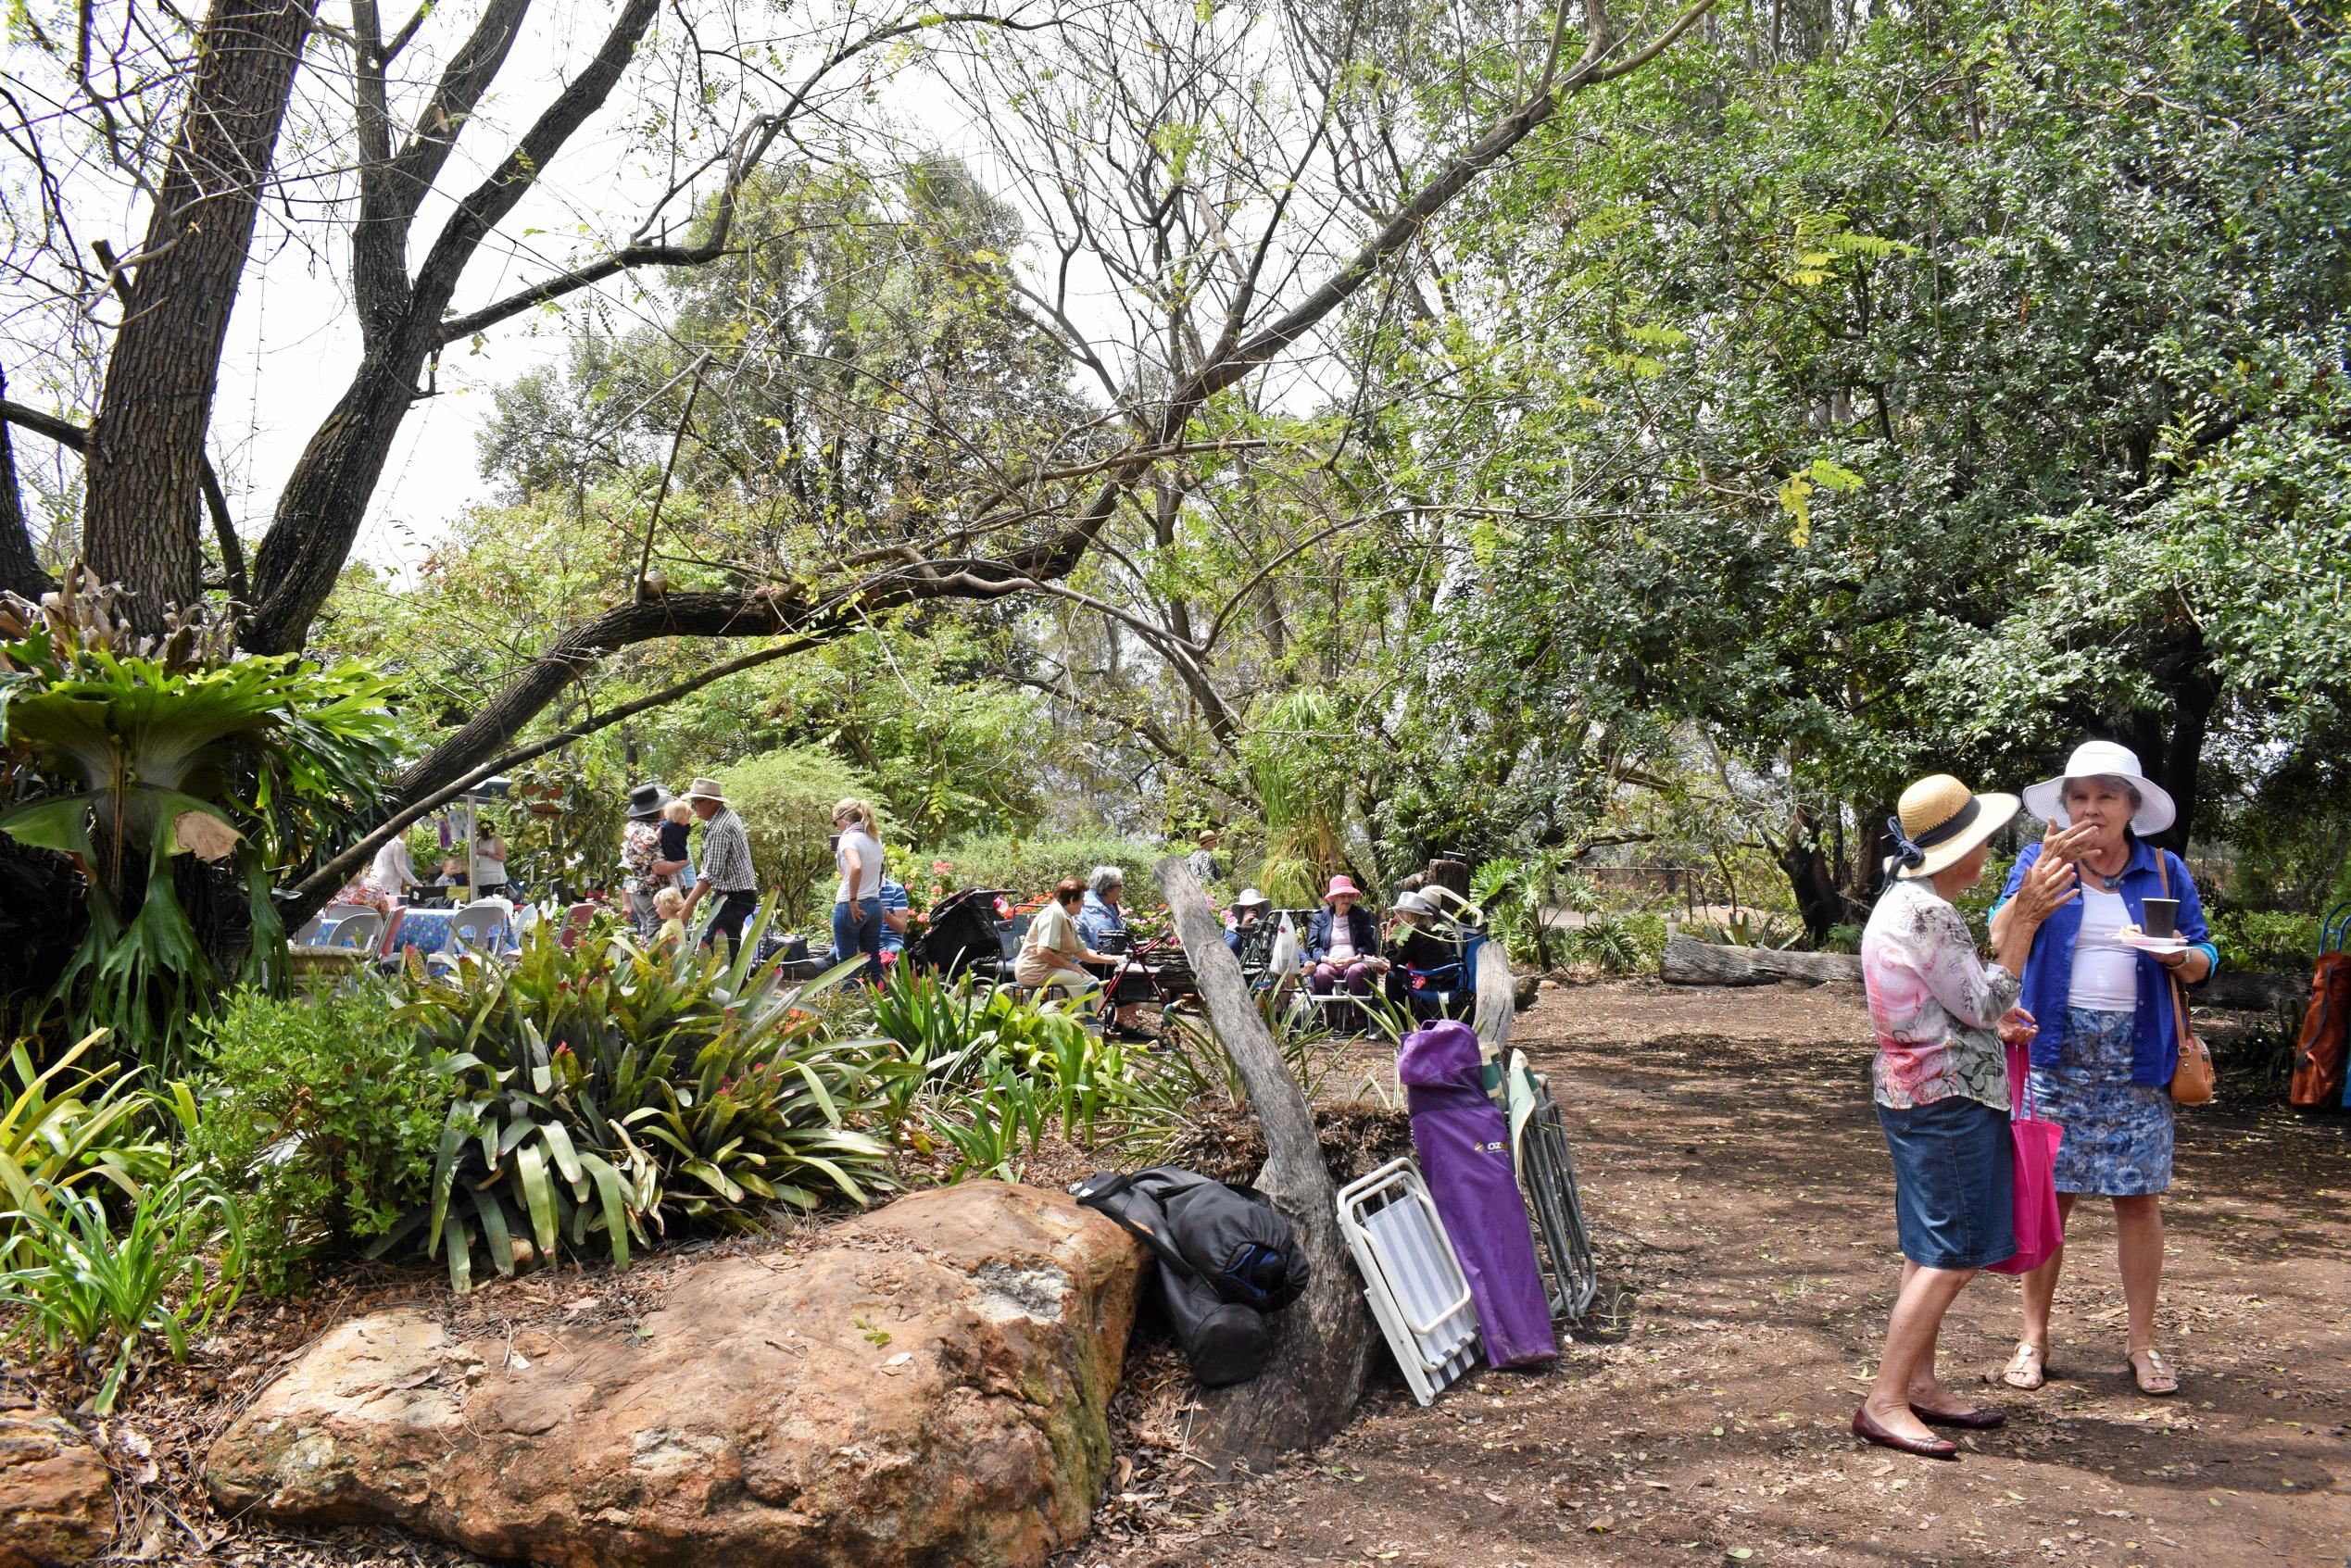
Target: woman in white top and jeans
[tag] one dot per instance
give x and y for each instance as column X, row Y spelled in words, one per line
column 857, row 903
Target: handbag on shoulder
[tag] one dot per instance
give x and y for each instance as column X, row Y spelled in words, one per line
column 2191, row 1080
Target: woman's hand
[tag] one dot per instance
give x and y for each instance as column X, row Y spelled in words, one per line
column 2067, row 845
column 2049, row 883
column 2018, row 1028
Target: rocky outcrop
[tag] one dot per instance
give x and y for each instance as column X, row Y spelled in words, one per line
column 56, row 1498
column 930, row 1386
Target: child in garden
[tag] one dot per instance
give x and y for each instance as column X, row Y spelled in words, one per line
column 677, row 824
column 669, row 904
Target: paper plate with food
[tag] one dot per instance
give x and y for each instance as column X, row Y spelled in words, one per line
column 2132, row 936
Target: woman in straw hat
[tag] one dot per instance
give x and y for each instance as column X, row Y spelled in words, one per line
column 2103, row 1063
column 1940, row 1085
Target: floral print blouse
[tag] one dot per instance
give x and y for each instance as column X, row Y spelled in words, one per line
column 1933, row 1003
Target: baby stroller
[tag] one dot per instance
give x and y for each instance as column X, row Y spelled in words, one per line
column 964, row 936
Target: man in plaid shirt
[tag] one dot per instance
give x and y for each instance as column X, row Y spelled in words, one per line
column 724, row 874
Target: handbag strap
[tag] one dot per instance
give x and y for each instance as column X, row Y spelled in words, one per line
column 2023, row 1104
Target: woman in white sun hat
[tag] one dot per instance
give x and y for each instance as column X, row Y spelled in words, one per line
column 2102, row 1063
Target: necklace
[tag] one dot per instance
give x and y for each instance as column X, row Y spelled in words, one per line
column 2107, row 884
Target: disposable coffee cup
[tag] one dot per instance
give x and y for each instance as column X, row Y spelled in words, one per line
column 2159, row 917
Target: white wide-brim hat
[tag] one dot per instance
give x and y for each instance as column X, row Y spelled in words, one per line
column 2101, row 760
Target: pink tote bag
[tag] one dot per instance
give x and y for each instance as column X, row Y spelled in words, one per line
column 2040, row 1230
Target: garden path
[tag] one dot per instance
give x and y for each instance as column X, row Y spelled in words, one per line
column 1743, row 1215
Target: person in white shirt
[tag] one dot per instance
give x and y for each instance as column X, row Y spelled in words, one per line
column 394, row 871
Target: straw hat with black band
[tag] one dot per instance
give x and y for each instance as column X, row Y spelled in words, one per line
column 1939, row 820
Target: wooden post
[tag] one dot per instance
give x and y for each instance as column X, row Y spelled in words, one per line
column 1310, row 1388
column 1497, row 998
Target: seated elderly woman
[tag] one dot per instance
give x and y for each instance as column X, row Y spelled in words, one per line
column 1053, row 953
column 1101, row 922
column 1342, row 941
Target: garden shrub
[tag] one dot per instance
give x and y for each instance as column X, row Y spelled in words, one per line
column 2265, row 940
column 601, row 1093
column 786, row 799
column 326, row 1113
column 1031, row 866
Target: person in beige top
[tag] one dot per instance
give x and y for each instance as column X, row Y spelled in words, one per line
column 1053, row 953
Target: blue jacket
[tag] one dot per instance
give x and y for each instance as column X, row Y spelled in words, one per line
column 1361, row 927
column 1098, row 925
column 2048, row 976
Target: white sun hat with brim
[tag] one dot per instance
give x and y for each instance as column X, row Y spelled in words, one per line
column 1939, row 820
column 2104, row 759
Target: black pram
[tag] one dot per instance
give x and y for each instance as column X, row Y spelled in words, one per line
column 966, row 935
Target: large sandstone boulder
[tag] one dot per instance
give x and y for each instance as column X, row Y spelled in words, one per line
column 929, row 1388
column 56, row 1498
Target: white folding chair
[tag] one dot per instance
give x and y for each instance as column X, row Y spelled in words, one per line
column 362, row 929
column 481, row 926
column 1411, row 1277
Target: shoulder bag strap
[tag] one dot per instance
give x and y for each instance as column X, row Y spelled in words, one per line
column 2179, row 990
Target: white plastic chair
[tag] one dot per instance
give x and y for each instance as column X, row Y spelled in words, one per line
column 1412, row 1277
column 361, row 929
column 481, row 926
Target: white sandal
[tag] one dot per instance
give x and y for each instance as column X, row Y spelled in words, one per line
column 2029, row 1368
column 2157, row 1379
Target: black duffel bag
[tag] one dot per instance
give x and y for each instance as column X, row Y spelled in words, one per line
column 1226, row 1257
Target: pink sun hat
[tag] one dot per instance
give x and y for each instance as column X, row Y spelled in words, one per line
column 1342, row 883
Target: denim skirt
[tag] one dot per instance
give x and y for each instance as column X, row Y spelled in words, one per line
column 1955, row 1183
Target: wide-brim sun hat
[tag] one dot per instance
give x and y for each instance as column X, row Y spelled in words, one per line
column 2099, row 760
column 1411, row 904
column 646, row 801
column 1250, row 898
column 1342, row 886
column 1939, row 820
column 705, row 789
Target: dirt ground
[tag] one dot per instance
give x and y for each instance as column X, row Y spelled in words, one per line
column 1738, row 1190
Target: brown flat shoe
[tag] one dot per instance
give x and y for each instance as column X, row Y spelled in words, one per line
column 1865, row 1425
column 1980, row 1420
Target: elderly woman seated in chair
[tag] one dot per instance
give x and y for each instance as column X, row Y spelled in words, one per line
column 1426, row 963
column 1053, row 953
column 1343, row 942
column 1251, row 935
column 1102, row 922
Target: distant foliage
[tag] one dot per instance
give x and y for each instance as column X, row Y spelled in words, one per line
column 786, row 799
column 1031, row 866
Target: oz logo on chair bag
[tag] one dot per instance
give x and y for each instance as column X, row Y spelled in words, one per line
column 1495, row 1148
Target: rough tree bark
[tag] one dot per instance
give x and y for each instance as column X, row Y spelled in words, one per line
column 143, row 460
column 1323, row 1341
column 1689, row 962
column 21, row 569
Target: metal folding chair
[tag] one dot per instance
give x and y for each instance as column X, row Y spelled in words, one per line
column 1412, row 1278
column 1547, row 1173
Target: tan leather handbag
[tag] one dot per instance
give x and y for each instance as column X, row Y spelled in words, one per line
column 2192, row 1082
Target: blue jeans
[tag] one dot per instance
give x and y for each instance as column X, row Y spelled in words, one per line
column 856, row 928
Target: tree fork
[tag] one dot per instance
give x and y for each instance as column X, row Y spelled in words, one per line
column 1322, row 1341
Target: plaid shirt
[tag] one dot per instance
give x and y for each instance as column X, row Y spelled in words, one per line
column 726, row 854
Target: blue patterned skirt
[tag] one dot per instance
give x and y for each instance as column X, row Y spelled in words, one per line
column 2118, row 1141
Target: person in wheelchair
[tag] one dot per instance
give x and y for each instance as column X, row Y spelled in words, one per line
column 1252, row 934
column 1427, row 962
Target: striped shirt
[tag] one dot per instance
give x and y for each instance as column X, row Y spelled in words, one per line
column 893, row 898
column 726, row 854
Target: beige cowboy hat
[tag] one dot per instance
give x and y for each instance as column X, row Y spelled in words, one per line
column 705, row 789
column 2104, row 759
column 1938, row 821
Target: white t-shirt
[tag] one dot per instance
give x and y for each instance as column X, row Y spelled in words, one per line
column 869, row 871
column 489, row 870
column 392, row 869
column 2105, row 973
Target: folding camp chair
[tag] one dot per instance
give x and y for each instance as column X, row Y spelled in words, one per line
column 1412, row 1278
column 1547, row 1173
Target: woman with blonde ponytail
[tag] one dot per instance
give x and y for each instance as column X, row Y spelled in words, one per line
column 857, row 903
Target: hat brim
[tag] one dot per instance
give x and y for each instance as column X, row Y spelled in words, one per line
column 690, row 795
column 2157, row 809
column 1992, row 813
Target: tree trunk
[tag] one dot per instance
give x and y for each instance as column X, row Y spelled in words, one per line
column 143, row 460
column 21, row 569
column 1322, row 1340
column 1818, row 899
column 1689, row 962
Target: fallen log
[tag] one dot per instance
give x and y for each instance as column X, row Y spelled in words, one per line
column 1689, row 962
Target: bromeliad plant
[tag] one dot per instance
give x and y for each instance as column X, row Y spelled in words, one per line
column 67, row 1128
column 601, row 1091
column 127, row 753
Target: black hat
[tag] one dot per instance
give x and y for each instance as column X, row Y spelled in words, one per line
column 646, row 802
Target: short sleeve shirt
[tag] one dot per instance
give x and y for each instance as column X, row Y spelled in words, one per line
column 726, row 854
column 1933, row 1003
column 893, row 898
